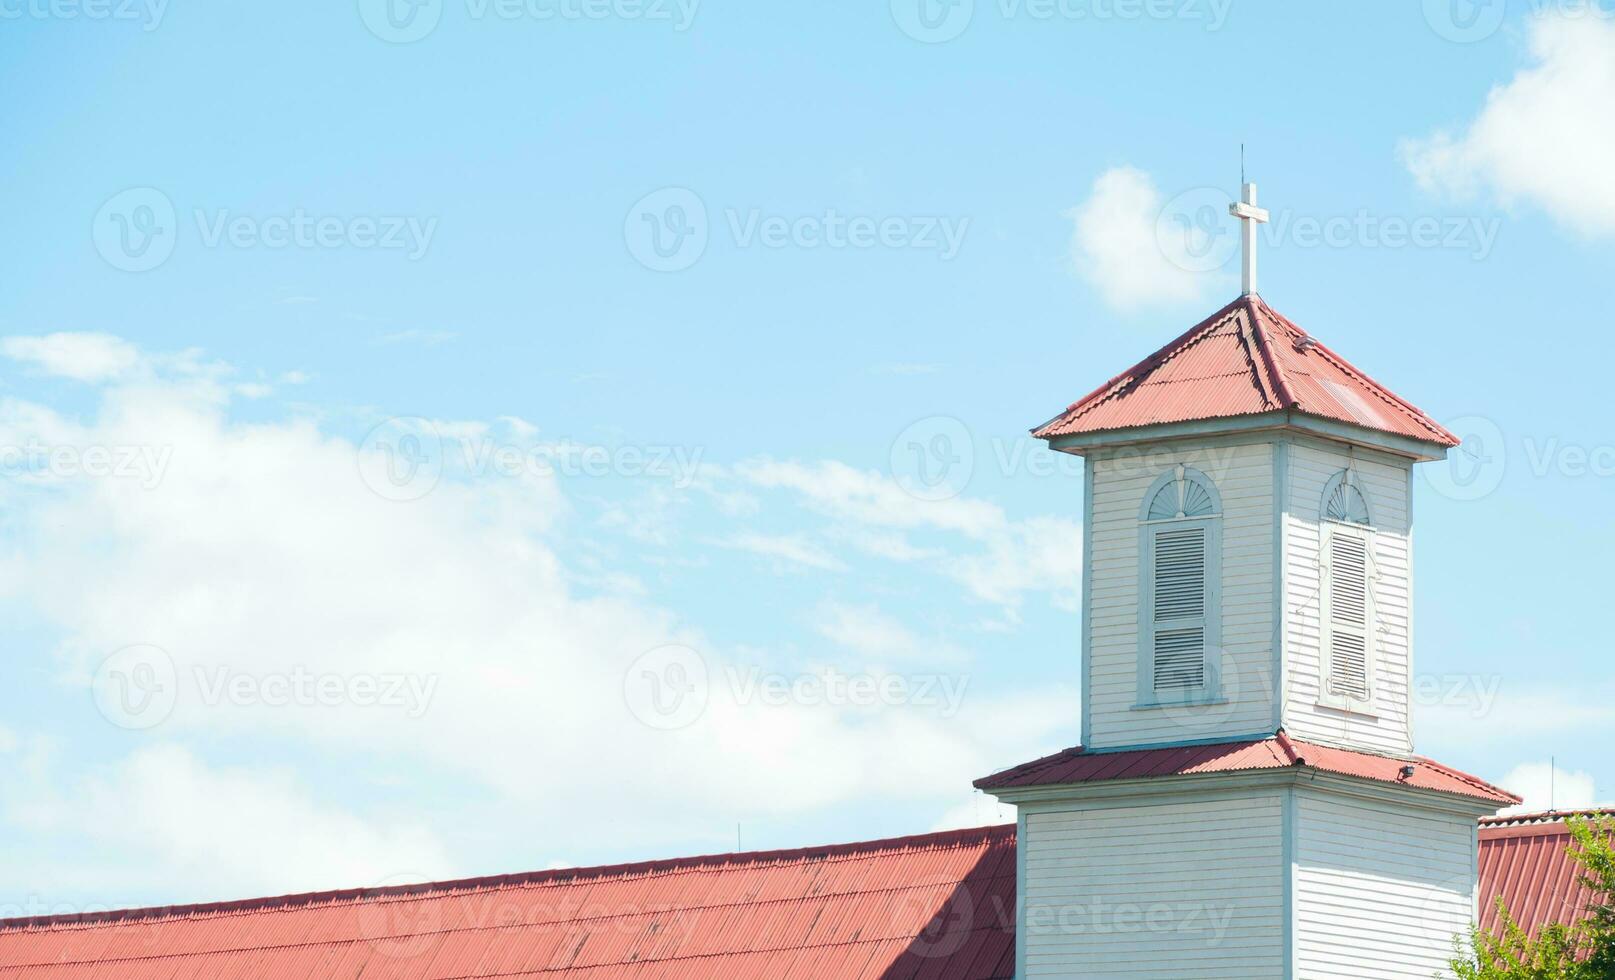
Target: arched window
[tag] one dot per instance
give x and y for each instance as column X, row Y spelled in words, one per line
column 1348, row 594
column 1343, row 500
column 1179, row 612
column 1184, row 495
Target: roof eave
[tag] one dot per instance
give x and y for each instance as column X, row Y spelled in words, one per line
column 1419, row 450
column 1473, row 806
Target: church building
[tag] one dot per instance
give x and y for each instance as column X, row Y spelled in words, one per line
column 1244, row 801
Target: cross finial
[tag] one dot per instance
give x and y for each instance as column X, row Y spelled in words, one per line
column 1246, row 210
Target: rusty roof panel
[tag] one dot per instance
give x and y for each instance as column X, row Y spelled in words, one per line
column 1245, row 359
column 932, row 907
column 1525, row 861
column 935, row 906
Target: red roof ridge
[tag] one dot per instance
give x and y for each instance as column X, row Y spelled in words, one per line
column 936, row 839
column 1284, row 742
column 1286, row 398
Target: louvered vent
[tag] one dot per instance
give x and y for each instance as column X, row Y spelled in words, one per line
column 1180, row 608
column 1180, row 574
column 1348, row 616
column 1180, row 658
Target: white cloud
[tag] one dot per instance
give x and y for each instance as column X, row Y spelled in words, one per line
column 1548, row 787
column 881, row 638
column 893, row 547
column 1010, row 560
column 1544, row 137
column 1116, row 247
column 215, row 825
column 872, row 498
column 792, row 549
column 89, row 357
column 261, row 550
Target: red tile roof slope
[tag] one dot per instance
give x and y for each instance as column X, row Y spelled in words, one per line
column 1245, row 359
column 932, row 907
column 1525, row 860
column 1279, row 751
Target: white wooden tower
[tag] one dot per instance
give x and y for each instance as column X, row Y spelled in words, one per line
column 1245, row 801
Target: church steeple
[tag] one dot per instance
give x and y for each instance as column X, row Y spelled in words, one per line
column 1281, row 598
column 1247, row 666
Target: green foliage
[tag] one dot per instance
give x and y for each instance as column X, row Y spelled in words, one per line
column 1579, row 950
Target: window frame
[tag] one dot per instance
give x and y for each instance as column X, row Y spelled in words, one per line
column 1328, row 529
column 1209, row 692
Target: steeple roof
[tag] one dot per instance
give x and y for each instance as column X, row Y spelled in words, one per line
column 1246, row 359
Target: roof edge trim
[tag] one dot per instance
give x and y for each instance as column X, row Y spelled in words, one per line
column 1418, row 449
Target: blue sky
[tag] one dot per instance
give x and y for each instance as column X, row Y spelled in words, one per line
column 686, row 307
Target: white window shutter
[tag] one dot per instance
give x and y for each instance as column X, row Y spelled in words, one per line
column 1349, row 643
column 1179, row 627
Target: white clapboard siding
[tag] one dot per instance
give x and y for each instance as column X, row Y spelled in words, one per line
column 1383, row 723
column 1379, row 891
column 1243, row 476
column 1167, row 890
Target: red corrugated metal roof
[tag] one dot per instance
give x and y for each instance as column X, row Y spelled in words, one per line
column 932, row 907
column 1078, row 765
column 1245, row 359
column 1525, row 860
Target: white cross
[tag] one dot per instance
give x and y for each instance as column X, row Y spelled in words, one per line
column 1247, row 211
